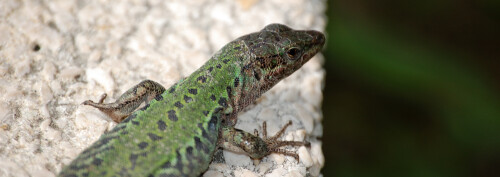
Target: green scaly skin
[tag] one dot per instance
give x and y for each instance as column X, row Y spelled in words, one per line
column 177, row 132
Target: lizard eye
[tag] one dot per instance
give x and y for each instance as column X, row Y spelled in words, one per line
column 293, row 53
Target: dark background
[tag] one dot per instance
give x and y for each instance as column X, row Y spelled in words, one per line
column 412, row 88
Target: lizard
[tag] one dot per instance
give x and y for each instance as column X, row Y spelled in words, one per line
column 178, row 129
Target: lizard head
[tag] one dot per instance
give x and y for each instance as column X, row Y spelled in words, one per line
column 277, row 51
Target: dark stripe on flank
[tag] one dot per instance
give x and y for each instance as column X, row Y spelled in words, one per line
column 154, row 137
column 199, row 145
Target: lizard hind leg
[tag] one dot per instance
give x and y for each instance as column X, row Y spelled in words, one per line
column 128, row 101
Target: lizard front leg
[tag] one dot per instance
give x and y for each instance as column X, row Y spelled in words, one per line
column 128, row 101
column 237, row 140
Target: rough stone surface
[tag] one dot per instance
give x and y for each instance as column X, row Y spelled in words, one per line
column 56, row 54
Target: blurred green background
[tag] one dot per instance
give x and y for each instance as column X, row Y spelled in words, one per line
column 412, row 88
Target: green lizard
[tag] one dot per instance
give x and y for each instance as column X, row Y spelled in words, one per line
column 178, row 130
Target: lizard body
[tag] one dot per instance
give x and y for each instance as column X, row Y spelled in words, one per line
column 178, row 130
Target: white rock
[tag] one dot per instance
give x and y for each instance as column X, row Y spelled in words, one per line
column 91, row 120
column 4, row 68
column 45, row 93
column 44, row 126
column 298, row 170
column 10, row 168
column 294, row 173
column 68, row 149
column 56, row 87
column 94, row 56
column 289, row 95
column 22, row 68
column 279, row 172
column 52, row 134
column 315, row 170
column 305, row 157
column 222, row 12
column 101, row 77
column 317, row 153
column 113, row 48
column 70, row 73
column 13, row 92
column 211, row 173
column 218, row 166
column 267, row 114
column 277, row 158
column 306, row 117
column 49, row 70
column 40, row 172
column 4, row 110
column 82, row 43
column 299, row 135
column 244, row 173
column 264, row 167
column 236, row 159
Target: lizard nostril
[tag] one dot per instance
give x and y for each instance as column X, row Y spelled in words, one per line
column 318, row 37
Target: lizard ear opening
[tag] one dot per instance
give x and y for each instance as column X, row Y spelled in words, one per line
column 293, row 53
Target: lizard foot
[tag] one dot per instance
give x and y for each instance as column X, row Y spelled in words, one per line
column 273, row 144
column 91, row 103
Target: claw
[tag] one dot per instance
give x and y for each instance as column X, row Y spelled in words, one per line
column 103, row 96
